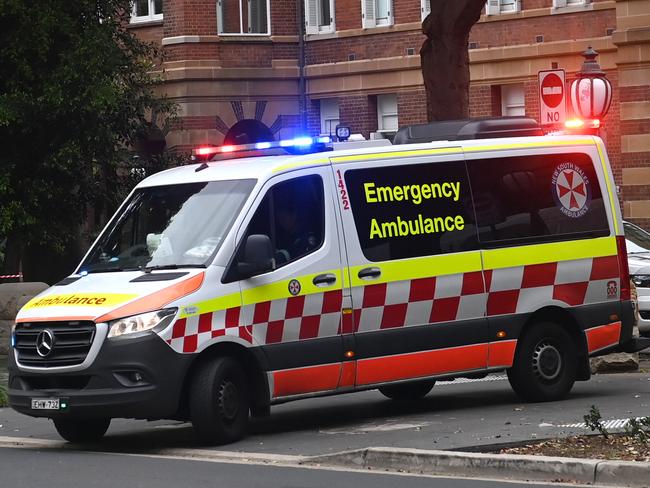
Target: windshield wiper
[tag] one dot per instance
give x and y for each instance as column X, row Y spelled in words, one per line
column 105, row 270
column 149, row 269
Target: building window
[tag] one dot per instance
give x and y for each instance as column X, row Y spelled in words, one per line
column 329, row 115
column 513, row 100
column 376, row 12
column 425, row 8
column 496, row 7
column 319, row 16
column 243, row 17
column 387, row 113
column 147, row 10
column 569, row 3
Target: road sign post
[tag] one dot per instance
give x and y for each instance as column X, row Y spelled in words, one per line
column 552, row 97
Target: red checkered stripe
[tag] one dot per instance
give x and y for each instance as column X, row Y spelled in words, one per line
column 268, row 322
column 415, row 302
column 461, row 296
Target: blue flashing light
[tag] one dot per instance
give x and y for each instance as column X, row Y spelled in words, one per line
column 302, row 141
column 13, row 341
column 324, row 140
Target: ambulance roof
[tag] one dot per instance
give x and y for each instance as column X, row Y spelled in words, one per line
column 263, row 167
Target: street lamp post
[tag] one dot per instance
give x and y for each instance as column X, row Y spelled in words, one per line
column 591, row 92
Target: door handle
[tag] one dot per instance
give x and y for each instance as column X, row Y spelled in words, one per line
column 369, row 273
column 326, row 279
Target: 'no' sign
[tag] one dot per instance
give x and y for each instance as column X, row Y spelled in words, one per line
column 552, row 96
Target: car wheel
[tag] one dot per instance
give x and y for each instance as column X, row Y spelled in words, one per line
column 545, row 364
column 81, row 430
column 219, row 401
column 412, row 390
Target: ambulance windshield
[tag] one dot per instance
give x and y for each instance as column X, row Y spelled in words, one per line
column 169, row 226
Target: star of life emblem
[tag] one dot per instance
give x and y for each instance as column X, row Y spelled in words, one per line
column 571, row 189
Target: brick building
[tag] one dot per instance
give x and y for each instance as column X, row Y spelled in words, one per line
column 233, row 67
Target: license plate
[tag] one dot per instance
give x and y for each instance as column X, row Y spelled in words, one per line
column 45, row 404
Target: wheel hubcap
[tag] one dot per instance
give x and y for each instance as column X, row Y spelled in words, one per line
column 547, row 361
column 228, row 400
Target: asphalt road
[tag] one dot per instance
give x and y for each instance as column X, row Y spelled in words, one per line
column 452, row 416
column 28, row 468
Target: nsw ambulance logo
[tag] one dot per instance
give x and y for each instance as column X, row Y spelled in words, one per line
column 571, row 189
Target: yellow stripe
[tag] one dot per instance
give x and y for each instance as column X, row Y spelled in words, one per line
column 397, row 154
column 280, row 289
column 425, row 267
column 302, row 164
column 549, row 253
column 212, row 305
column 609, row 187
column 522, row 145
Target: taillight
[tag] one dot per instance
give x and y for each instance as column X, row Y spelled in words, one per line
column 623, row 269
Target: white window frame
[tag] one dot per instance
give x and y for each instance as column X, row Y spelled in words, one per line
column 519, row 107
column 384, row 111
column 145, row 18
column 369, row 14
column 570, row 3
column 496, row 7
column 241, row 20
column 313, row 14
column 425, row 8
column 330, row 115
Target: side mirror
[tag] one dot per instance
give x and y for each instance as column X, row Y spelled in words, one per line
column 258, row 256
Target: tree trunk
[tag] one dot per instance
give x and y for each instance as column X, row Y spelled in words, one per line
column 445, row 59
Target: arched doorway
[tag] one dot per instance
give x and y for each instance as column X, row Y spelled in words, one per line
column 248, row 131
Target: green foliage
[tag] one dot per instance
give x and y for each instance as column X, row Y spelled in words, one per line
column 593, row 420
column 76, row 92
column 4, row 401
column 638, row 428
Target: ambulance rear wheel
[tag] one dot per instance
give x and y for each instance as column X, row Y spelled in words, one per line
column 413, row 390
column 81, row 430
column 545, row 365
column 219, row 401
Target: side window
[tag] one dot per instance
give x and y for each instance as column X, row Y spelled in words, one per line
column 412, row 210
column 537, row 199
column 292, row 214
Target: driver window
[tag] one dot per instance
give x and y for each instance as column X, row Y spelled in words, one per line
column 292, row 214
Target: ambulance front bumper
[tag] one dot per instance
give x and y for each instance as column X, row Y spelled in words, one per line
column 138, row 377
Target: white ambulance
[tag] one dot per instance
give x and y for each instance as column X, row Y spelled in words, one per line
column 222, row 288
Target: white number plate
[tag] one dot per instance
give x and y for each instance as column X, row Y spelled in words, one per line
column 45, row 404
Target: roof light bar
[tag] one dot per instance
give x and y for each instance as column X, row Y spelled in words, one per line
column 302, row 144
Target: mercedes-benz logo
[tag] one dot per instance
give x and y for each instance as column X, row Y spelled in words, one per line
column 44, row 342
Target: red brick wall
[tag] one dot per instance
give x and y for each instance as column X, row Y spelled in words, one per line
column 360, row 113
column 190, row 17
column 411, row 107
column 406, row 11
column 243, row 54
column 283, row 18
column 348, row 14
column 579, row 25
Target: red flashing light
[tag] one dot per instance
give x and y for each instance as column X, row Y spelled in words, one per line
column 227, row 149
column 582, row 124
column 206, row 150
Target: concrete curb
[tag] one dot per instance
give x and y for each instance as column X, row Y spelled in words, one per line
column 491, row 466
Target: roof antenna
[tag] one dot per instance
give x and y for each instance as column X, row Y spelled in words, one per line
column 203, row 166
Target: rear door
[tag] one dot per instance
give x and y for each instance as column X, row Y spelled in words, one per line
column 415, row 268
column 294, row 312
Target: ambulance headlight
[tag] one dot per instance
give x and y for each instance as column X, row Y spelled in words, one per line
column 141, row 323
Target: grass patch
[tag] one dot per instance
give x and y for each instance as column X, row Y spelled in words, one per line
column 4, row 401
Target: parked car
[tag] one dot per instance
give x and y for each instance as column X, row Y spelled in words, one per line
column 637, row 241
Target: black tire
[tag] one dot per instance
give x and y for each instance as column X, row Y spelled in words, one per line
column 413, row 390
column 545, row 365
column 82, row 430
column 219, row 401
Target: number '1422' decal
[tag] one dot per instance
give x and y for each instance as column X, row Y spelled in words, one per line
column 343, row 191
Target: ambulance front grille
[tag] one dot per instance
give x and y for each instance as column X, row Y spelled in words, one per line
column 52, row 344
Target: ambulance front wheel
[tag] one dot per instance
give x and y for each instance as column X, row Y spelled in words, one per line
column 219, row 401
column 545, row 365
column 412, row 390
column 81, row 430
